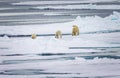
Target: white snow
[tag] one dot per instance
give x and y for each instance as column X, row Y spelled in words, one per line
column 87, row 6
column 79, row 67
column 5, row 8
column 50, row 44
column 14, row 14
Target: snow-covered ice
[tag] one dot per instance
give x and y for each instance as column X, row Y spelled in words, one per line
column 94, row 53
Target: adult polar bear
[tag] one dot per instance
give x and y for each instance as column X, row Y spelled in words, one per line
column 75, row 30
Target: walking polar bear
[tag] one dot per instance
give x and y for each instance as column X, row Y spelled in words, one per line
column 58, row 34
column 33, row 36
column 75, row 30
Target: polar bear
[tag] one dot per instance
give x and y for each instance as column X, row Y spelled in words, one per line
column 58, row 34
column 33, row 36
column 75, row 30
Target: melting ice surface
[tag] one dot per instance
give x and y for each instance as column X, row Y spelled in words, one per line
column 94, row 53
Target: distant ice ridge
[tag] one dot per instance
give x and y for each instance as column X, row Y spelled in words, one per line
column 59, row 2
column 87, row 6
column 96, row 60
column 96, row 23
column 86, row 24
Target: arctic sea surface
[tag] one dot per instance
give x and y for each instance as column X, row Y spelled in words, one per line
column 95, row 53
